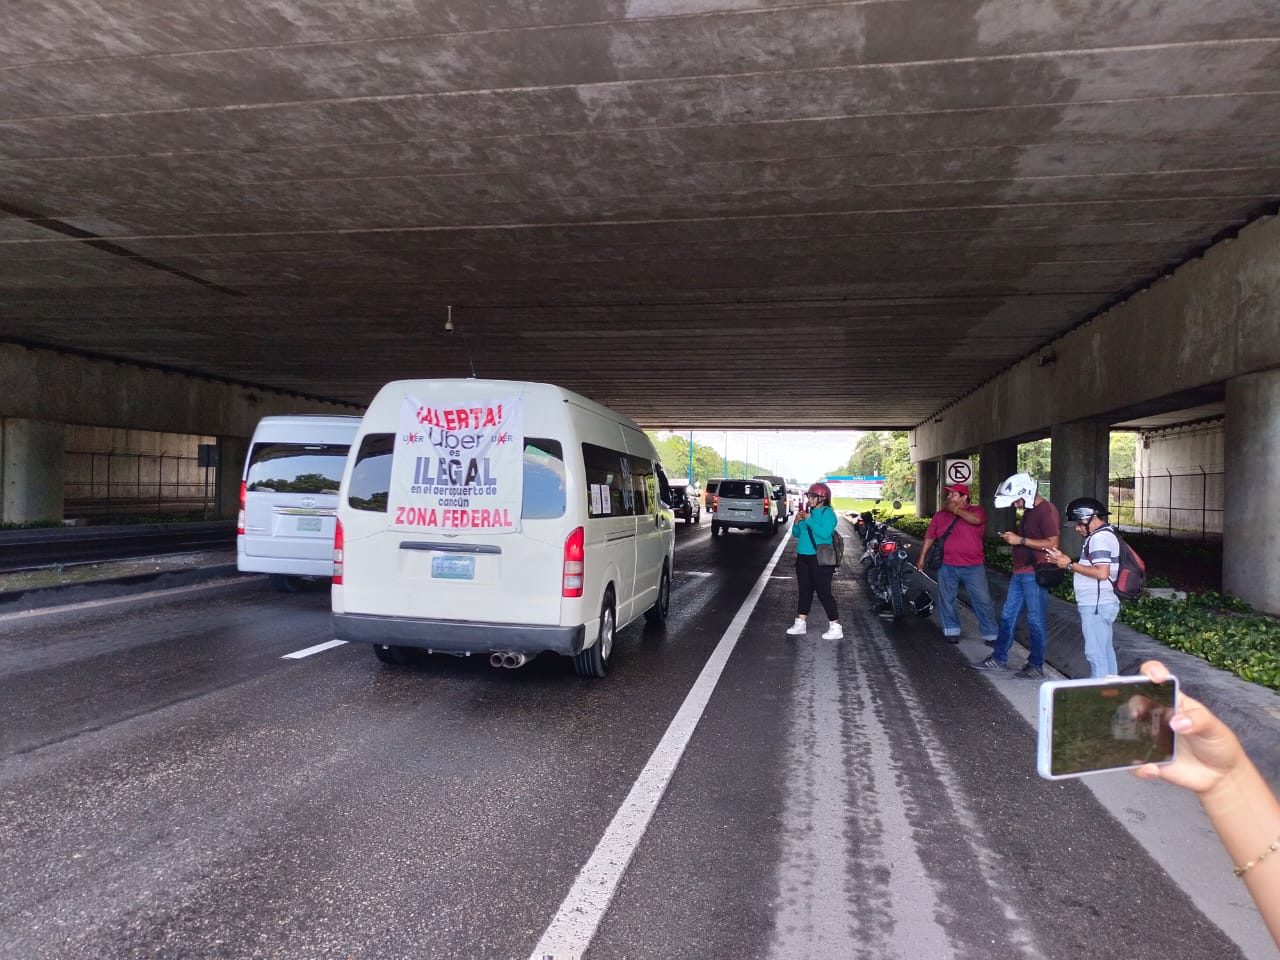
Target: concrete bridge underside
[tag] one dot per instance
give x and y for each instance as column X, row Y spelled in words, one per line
column 874, row 213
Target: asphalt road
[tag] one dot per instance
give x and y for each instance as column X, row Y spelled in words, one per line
column 171, row 785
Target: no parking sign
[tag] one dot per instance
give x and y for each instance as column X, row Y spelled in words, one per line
column 958, row 471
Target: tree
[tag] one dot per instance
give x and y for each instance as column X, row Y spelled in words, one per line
column 1123, row 453
column 899, row 472
column 869, row 456
column 1034, row 458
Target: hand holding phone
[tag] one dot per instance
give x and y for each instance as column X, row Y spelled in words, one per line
column 1107, row 723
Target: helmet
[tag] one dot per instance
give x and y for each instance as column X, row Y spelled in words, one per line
column 921, row 604
column 1083, row 509
column 1021, row 486
column 820, row 490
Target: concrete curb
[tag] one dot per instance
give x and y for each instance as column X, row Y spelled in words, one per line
column 40, row 597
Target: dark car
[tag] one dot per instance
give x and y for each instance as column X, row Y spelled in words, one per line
column 686, row 501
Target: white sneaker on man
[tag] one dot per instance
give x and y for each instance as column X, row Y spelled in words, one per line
column 834, row 632
column 799, row 628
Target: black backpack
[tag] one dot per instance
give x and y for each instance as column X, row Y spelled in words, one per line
column 1131, row 571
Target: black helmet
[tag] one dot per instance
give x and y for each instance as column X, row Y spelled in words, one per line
column 921, row 604
column 1084, row 509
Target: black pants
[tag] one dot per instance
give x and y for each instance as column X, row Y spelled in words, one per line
column 812, row 578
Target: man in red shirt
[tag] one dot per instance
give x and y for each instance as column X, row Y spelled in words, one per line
column 1035, row 533
column 959, row 525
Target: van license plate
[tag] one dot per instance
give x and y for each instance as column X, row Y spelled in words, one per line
column 308, row 524
column 453, row 568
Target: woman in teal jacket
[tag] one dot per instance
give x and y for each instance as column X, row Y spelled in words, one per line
column 814, row 524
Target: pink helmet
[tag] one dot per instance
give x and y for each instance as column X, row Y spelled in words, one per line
column 820, row 490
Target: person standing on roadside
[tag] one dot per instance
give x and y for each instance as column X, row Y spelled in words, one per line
column 813, row 525
column 963, row 561
column 1096, row 599
column 1034, row 533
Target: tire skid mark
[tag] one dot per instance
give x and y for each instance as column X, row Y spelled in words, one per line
column 813, row 868
column 974, row 891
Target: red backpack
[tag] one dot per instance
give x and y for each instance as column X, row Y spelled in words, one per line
column 1130, row 577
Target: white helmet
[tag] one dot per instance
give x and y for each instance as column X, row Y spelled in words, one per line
column 1021, row 486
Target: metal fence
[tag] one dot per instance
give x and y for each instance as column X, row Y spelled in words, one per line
column 105, row 485
column 1175, row 504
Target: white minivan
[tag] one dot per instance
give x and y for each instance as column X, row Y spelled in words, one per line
column 289, row 497
column 501, row 518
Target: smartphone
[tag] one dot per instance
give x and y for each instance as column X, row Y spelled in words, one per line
column 1109, row 723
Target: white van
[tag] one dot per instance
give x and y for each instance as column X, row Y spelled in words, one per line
column 501, row 518
column 289, row 497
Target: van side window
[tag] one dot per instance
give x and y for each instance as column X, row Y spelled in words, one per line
column 295, row 467
column 643, row 501
column 544, row 494
column 608, row 476
column 371, row 474
column 544, row 485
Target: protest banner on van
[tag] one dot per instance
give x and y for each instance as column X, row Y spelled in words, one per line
column 458, row 467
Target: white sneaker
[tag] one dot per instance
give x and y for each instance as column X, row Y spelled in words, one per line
column 834, row 632
column 799, row 628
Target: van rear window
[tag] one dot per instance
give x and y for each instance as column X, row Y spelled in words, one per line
column 743, row 489
column 544, row 479
column 296, row 467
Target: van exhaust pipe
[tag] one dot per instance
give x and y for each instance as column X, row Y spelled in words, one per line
column 509, row 659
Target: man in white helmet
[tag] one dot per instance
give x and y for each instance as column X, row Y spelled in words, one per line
column 1034, row 533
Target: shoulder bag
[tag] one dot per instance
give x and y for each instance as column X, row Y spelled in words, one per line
column 933, row 562
column 826, row 551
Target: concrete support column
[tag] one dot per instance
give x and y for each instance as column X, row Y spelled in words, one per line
column 1078, row 468
column 995, row 462
column 31, row 470
column 927, row 488
column 1250, row 521
column 232, row 452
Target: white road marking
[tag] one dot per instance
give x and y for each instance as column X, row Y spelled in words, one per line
column 575, row 923
column 124, row 598
column 318, row 648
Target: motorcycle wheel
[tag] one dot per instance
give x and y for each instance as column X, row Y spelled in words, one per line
column 895, row 593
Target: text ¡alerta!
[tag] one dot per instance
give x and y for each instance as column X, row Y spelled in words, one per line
column 459, row 519
column 461, row 418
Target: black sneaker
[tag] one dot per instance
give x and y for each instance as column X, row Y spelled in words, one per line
column 991, row 663
column 1029, row 673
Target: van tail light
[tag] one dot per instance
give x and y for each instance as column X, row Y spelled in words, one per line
column 338, row 550
column 715, row 503
column 240, row 515
column 574, row 563
column 767, row 504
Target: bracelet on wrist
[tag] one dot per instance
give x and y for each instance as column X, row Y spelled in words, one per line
column 1275, row 845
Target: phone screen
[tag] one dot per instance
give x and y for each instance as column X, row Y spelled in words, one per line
column 1089, row 726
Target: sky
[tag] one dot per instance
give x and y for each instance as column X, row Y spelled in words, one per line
column 803, row 455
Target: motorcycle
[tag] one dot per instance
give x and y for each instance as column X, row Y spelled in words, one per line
column 887, row 569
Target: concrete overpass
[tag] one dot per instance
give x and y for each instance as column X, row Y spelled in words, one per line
column 985, row 221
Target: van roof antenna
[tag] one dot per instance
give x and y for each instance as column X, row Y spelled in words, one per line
column 449, row 328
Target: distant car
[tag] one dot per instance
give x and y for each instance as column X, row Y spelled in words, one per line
column 745, row 504
column 686, row 501
column 709, row 495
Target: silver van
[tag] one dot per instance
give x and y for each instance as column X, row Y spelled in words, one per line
column 745, row 504
column 289, row 497
column 781, row 505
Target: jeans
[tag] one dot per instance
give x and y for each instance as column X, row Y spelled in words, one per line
column 975, row 585
column 1095, row 624
column 1023, row 591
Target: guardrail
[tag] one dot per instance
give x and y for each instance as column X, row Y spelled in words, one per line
column 37, row 547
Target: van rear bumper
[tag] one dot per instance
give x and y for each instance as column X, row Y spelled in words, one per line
column 458, row 636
